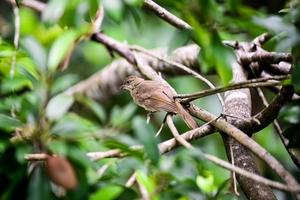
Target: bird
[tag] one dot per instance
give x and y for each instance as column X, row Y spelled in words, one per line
column 154, row 96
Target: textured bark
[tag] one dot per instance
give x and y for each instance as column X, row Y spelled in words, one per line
column 238, row 104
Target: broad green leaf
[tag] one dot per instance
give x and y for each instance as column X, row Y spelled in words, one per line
column 15, row 84
column 28, row 21
column 114, row 9
column 95, row 107
column 206, row 184
column 146, row 134
column 224, row 59
column 58, row 106
column 290, row 113
column 64, row 82
column 147, row 183
column 134, row 2
column 9, row 123
column 120, row 116
column 39, row 185
column 60, row 48
column 72, row 126
column 108, row 192
column 54, row 10
column 36, row 52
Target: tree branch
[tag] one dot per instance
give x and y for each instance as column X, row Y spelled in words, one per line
column 166, row 15
column 242, row 138
column 260, row 82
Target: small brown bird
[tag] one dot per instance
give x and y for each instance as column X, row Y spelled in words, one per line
column 154, row 96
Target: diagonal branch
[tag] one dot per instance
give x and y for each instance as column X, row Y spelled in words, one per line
column 242, row 138
column 166, row 15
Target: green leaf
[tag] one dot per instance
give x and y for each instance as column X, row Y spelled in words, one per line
column 292, row 134
column 144, row 180
column 72, row 125
column 54, row 10
column 64, row 82
column 94, row 106
column 114, row 9
column 290, row 113
column 108, row 192
column 146, row 134
column 15, row 84
column 296, row 77
column 60, row 48
column 39, row 187
column 58, row 106
column 136, row 3
column 206, row 184
column 120, row 116
column 9, row 123
column 36, row 52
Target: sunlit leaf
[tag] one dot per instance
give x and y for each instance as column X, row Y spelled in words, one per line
column 109, row 192
column 58, row 106
column 36, row 52
column 54, row 10
column 60, row 48
column 146, row 182
column 206, row 184
column 9, row 123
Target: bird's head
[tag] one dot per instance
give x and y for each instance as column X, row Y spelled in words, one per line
column 131, row 82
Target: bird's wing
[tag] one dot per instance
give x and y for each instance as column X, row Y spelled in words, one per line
column 155, row 97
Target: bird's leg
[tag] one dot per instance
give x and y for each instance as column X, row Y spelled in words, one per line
column 149, row 116
column 161, row 126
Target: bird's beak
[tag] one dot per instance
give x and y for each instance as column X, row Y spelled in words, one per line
column 123, row 87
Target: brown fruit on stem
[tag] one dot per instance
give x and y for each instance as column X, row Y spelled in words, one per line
column 61, row 172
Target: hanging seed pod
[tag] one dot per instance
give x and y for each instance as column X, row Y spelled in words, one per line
column 61, row 172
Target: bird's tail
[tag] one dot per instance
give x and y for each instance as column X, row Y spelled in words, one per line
column 187, row 117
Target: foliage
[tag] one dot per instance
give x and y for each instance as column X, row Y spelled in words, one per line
column 37, row 116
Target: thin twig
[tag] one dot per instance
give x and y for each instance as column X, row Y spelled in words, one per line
column 234, row 182
column 35, row 5
column 175, row 133
column 246, row 84
column 261, row 39
column 98, row 19
column 166, row 15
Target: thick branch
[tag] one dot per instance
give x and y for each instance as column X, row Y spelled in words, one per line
column 240, row 136
column 270, row 113
column 106, row 83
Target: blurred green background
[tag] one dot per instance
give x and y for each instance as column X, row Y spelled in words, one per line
column 35, row 116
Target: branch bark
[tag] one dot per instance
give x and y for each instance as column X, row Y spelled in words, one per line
column 238, row 104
